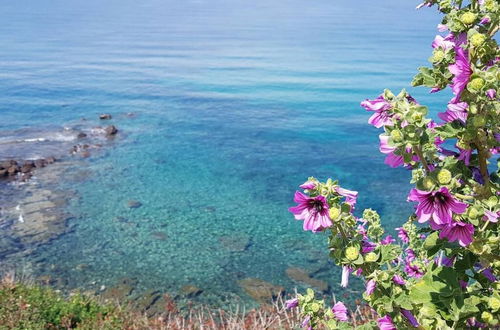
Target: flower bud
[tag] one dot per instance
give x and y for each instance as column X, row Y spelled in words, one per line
column 428, row 183
column 444, row 176
column 396, row 135
column 397, row 290
column 473, row 212
column 487, row 317
column 416, row 116
column 383, row 276
column 462, row 144
column 437, row 56
column 476, row 84
column 334, row 213
column 477, row 39
column 473, row 109
column 493, row 239
column 468, row 18
column 494, row 303
column 371, row 257
column 479, row 121
column 352, row 253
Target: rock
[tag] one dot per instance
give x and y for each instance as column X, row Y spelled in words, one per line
column 260, row 290
column 85, row 154
column 40, row 163
column 12, row 170
column 235, row 243
column 130, row 114
column 121, row 291
column 8, row 163
column 111, row 130
column 81, row 135
column 3, row 173
column 300, row 275
column 105, row 116
column 191, row 291
column 133, row 204
column 26, row 168
column 159, row 235
column 50, row 160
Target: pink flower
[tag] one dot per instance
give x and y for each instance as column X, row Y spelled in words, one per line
column 346, row 270
column 485, row 20
column 455, row 111
column 403, row 235
column 291, row 303
column 313, row 210
column 370, row 287
column 385, row 323
column 491, row 216
column 309, row 185
column 491, row 93
column 442, row 27
column 398, row 280
column 437, row 206
column 350, row 195
column 340, row 311
column 413, row 270
column 443, row 43
column 461, row 71
column 387, row 240
column 381, row 117
column 465, row 155
column 460, row 231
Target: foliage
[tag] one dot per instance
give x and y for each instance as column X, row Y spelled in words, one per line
column 443, row 272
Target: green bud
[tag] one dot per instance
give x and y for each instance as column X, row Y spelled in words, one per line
column 396, row 135
column 334, row 213
column 487, row 317
column 437, row 56
column 444, row 176
column 428, row 183
column 476, row 84
column 397, row 290
column 494, row 303
column 479, row 121
column 493, row 239
column 473, row 109
column 477, row 39
column 352, row 253
column 468, row 18
column 416, row 116
column 383, row 276
column 371, row 257
column 473, row 212
column 462, row 144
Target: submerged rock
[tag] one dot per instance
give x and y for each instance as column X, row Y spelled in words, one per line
column 261, row 290
column 111, row 130
column 235, row 243
column 191, row 291
column 159, row 235
column 105, row 116
column 301, row 275
column 133, row 204
column 121, row 291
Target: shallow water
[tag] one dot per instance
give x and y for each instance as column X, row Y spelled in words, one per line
column 235, row 103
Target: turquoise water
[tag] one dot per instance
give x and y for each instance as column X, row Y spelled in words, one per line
column 236, row 103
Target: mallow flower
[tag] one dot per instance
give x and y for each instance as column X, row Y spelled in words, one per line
column 410, row 317
column 313, row 210
column 291, row 303
column 455, row 111
column 461, row 71
column 458, row 231
column 340, row 311
column 381, row 117
column 385, row 323
column 437, row 206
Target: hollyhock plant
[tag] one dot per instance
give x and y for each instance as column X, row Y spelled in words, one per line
column 313, row 210
column 340, row 311
column 443, row 271
column 437, row 206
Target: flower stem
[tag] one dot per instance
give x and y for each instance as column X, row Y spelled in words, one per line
column 420, row 155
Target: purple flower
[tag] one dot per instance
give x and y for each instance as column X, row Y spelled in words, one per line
column 292, row 303
column 409, row 316
column 340, row 311
column 306, row 321
column 460, row 231
column 370, row 287
column 350, row 196
column 413, row 270
column 398, row 280
column 346, row 270
column 463, row 284
column 465, row 155
column 489, row 274
column 485, row 20
column 461, row 71
column 444, row 43
column 491, row 216
column 392, row 159
column 367, row 246
column 455, row 111
column 447, row 262
column 403, row 235
column 410, row 255
column 491, row 93
column 476, row 174
column 313, row 210
column 385, row 323
column 438, row 206
column 309, row 185
column 381, row 117
column 387, row 240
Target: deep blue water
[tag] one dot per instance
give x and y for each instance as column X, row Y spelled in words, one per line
column 235, row 102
